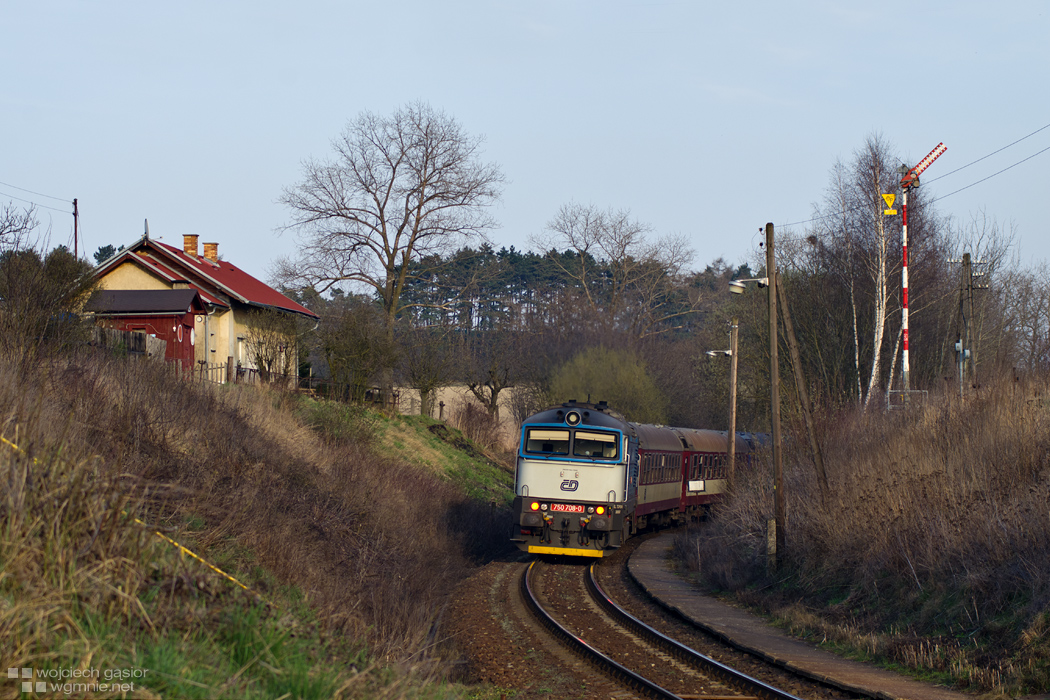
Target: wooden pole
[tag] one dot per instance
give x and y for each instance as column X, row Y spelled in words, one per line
column 733, row 330
column 779, row 504
column 803, row 391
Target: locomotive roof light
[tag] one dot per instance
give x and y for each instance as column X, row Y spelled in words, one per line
column 738, row 286
column 573, row 418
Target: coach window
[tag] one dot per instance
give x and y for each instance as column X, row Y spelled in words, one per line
column 588, row 444
column 547, row 441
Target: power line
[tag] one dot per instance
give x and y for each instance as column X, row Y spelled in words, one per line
column 992, row 175
column 35, row 204
column 992, row 154
column 38, row 194
column 972, row 184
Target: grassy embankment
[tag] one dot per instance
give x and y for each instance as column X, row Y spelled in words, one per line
column 932, row 553
column 348, row 552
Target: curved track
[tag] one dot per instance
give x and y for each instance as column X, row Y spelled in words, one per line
column 718, row 680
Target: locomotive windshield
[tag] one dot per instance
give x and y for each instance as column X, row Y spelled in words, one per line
column 588, row 444
column 547, row 441
column 585, row 443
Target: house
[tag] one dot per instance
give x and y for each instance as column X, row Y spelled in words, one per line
column 167, row 314
column 235, row 305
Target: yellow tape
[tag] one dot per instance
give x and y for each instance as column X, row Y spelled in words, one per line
column 181, row 548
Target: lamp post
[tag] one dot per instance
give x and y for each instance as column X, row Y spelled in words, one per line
column 731, row 436
column 776, row 538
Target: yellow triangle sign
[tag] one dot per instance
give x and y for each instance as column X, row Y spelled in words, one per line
column 889, row 199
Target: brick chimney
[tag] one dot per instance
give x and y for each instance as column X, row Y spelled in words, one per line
column 211, row 252
column 189, row 244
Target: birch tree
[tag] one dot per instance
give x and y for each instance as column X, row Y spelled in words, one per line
column 859, row 247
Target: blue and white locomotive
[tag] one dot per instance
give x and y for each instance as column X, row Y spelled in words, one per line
column 587, row 479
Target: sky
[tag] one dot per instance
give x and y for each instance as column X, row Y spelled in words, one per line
column 704, row 119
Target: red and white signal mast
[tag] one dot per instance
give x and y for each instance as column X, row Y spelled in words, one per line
column 908, row 181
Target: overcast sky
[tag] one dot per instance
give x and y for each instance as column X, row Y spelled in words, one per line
column 706, row 119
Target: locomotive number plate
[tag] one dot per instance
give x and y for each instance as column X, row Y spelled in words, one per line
column 566, row 508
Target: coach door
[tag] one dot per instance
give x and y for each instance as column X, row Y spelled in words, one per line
column 632, row 469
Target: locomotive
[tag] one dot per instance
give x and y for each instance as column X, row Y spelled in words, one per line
column 587, row 479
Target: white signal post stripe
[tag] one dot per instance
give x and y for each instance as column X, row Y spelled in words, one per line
column 910, row 179
column 905, row 367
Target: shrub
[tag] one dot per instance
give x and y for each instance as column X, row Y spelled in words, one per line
column 936, row 525
column 617, row 376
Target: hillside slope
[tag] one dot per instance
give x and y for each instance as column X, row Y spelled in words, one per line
column 343, row 556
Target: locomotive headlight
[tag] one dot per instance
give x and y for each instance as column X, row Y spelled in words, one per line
column 535, row 505
column 590, row 509
column 600, row 510
column 543, row 506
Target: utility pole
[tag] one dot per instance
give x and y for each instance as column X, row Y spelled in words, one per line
column 76, row 226
column 909, row 181
column 733, row 330
column 966, row 314
column 779, row 506
column 965, row 346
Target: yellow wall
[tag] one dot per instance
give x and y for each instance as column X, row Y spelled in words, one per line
column 131, row 276
column 216, row 336
column 213, row 333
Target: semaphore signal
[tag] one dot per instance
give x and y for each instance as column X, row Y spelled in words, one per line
column 909, row 180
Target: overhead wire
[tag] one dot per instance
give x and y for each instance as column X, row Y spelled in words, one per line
column 952, row 172
column 972, row 184
column 36, row 204
column 992, row 175
column 38, row 194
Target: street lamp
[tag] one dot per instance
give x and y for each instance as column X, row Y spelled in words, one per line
column 737, row 286
column 731, row 353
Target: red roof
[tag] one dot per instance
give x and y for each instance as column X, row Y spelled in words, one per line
column 164, row 272
column 172, row 263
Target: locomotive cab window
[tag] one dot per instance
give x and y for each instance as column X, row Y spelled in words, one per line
column 547, row 441
column 591, row 444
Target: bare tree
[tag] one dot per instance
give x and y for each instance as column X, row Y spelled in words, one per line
column 493, row 361
column 15, row 226
column 397, row 189
column 430, row 358
column 273, row 339
column 625, row 280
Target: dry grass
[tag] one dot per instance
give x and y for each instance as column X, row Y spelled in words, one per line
column 284, row 492
column 934, row 548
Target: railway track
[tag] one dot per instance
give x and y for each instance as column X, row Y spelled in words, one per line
column 569, row 601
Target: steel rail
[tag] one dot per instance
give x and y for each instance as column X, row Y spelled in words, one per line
column 702, row 663
column 577, row 645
